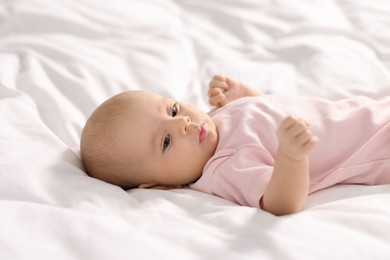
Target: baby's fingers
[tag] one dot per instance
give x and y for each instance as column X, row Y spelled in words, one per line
column 218, row 84
column 313, row 141
column 219, row 77
column 306, row 140
column 295, row 137
column 216, row 97
column 214, row 92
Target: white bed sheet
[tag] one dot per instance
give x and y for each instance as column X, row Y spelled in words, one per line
column 59, row 59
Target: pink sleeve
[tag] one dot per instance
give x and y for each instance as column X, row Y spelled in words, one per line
column 243, row 177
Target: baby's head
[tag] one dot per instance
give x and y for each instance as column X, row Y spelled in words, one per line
column 140, row 139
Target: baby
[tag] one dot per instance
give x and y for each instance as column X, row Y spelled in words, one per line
column 251, row 149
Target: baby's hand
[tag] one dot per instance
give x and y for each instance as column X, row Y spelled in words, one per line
column 223, row 90
column 295, row 138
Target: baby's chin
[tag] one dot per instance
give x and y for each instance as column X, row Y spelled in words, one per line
column 193, row 177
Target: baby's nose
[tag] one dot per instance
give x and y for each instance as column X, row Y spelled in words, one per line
column 187, row 119
column 184, row 123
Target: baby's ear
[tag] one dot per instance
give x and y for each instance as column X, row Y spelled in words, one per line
column 158, row 187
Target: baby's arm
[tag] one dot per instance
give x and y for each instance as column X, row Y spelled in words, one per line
column 223, row 90
column 287, row 190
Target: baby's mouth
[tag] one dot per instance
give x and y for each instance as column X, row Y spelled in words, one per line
column 203, row 131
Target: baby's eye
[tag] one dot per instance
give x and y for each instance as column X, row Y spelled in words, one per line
column 167, row 141
column 174, row 110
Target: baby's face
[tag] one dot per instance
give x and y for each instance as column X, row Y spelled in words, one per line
column 172, row 140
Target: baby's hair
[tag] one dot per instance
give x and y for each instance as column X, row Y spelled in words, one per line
column 97, row 152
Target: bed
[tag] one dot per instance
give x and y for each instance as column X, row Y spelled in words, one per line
column 59, row 59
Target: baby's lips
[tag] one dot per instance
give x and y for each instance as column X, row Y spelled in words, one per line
column 203, row 131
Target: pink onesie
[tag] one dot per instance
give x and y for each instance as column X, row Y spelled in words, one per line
column 354, row 145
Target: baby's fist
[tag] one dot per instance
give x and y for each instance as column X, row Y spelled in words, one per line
column 223, row 90
column 295, row 138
